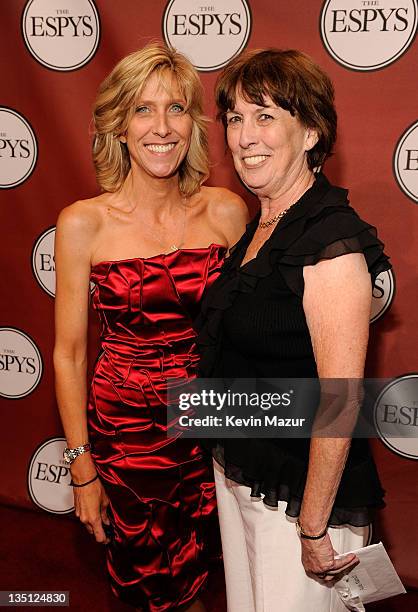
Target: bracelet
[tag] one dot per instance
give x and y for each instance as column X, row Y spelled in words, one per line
column 71, row 454
column 306, row 536
column 84, row 484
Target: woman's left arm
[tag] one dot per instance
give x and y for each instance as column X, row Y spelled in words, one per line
column 337, row 303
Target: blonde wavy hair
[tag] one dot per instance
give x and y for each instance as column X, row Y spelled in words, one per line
column 115, row 107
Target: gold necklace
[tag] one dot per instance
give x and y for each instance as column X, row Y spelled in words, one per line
column 173, row 246
column 280, row 215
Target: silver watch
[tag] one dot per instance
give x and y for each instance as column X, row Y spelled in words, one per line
column 70, row 454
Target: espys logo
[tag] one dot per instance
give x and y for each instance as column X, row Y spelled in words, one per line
column 61, row 34
column 208, row 34
column 396, row 416
column 405, row 162
column 20, row 363
column 18, row 148
column 383, row 294
column 49, row 478
column 368, row 34
column 43, row 263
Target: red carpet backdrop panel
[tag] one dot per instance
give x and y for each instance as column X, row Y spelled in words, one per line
column 54, row 55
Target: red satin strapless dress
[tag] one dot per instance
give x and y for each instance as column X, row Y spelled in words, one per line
column 163, row 505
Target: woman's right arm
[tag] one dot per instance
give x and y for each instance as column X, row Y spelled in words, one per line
column 76, row 228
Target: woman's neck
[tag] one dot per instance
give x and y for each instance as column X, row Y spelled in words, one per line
column 288, row 195
column 154, row 194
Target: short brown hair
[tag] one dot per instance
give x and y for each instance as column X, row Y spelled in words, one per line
column 293, row 81
column 115, row 107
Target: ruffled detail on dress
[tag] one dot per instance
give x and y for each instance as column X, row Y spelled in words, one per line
column 321, row 225
column 332, row 233
column 284, row 477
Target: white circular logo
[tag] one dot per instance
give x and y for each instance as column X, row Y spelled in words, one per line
column 49, row 478
column 368, row 35
column 396, row 416
column 18, row 148
column 61, row 34
column 210, row 35
column 405, row 162
column 43, row 263
column 383, row 294
column 20, row 363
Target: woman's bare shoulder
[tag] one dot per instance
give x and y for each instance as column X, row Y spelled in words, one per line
column 226, row 211
column 222, row 203
column 84, row 216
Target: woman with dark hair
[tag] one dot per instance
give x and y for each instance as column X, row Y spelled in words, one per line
column 292, row 301
column 151, row 243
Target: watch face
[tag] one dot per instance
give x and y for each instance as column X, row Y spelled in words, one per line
column 67, row 455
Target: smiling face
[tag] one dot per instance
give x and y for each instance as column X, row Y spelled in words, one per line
column 268, row 146
column 158, row 135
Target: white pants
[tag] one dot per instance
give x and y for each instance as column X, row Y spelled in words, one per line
column 262, row 555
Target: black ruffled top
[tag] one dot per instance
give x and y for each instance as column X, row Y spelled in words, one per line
column 253, row 325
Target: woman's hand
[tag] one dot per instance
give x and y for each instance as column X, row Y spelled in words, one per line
column 91, row 504
column 318, row 559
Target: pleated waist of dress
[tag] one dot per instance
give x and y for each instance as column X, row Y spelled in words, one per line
column 131, row 339
column 164, row 360
column 134, row 384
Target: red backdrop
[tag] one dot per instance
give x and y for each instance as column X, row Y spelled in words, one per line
column 375, row 107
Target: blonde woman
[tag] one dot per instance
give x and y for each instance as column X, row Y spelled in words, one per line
column 151, row 243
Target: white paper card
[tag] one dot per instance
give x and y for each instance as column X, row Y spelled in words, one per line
column 374, row 578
